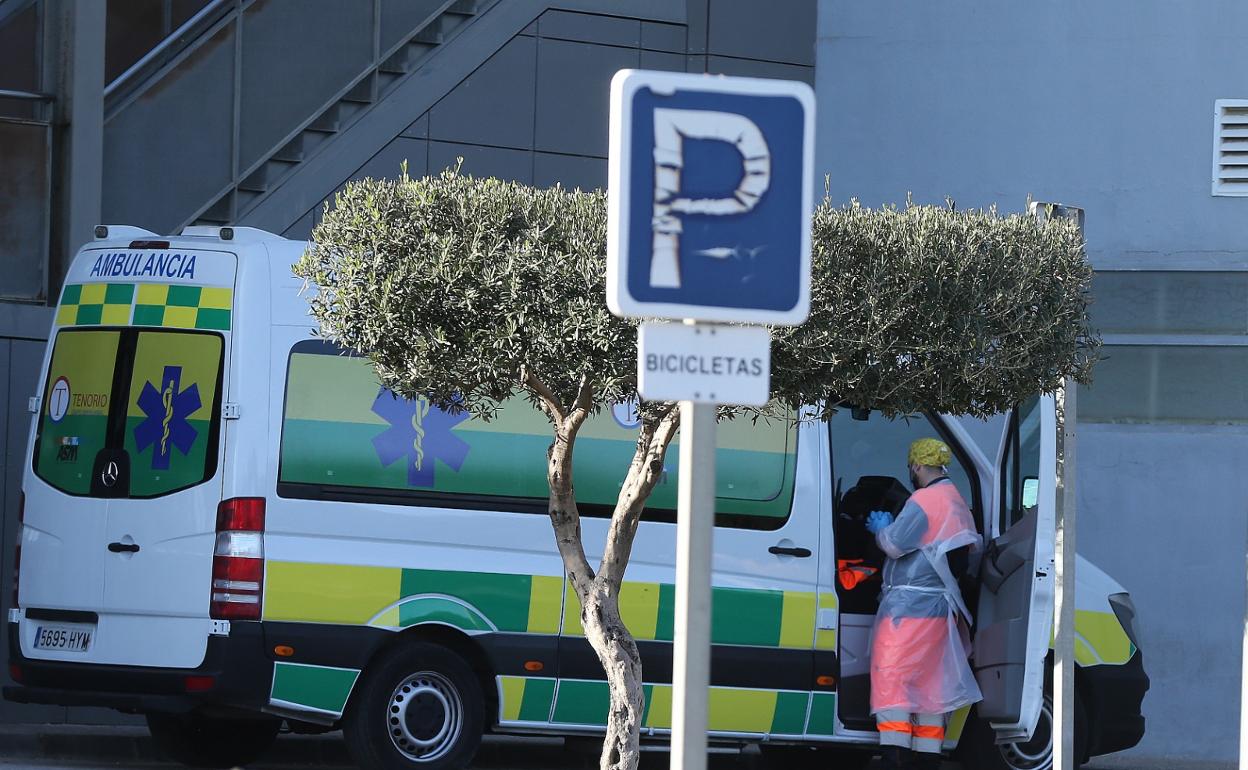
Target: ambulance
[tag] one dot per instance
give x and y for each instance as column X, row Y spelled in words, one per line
column 228, row 526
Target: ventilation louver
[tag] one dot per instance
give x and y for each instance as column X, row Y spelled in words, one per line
column 1230, row 147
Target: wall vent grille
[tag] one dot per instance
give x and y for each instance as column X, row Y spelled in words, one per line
column 1230, row 147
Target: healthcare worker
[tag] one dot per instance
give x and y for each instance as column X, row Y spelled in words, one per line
column 919, row 667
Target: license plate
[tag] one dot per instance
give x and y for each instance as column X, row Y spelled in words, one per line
column 64, row 638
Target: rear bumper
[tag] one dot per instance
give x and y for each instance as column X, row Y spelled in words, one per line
column 1114, row 708
column 241, row 679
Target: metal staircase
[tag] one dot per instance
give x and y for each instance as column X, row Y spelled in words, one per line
column 372, row 86
column 315, row 113
column 202, row 67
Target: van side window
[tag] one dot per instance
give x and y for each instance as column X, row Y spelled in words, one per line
column 345, row 437
column 1020, row 483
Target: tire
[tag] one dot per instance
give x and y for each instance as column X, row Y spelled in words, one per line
column 199, row 741
column 979, row 750
column 418, row 707
column 823, row 758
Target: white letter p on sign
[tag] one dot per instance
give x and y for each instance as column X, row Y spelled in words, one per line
column 671, row 128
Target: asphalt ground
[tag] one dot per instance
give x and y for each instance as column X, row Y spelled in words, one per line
column 77, row 747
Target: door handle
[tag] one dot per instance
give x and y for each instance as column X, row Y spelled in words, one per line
column 780, row 550
column 123, row 547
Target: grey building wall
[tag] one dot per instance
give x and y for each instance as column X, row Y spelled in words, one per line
column 1108, row 106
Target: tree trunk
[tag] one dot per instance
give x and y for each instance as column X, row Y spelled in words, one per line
column 616, row 650
column 599, row 593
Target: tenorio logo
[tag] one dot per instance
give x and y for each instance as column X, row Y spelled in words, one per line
column 58, row 399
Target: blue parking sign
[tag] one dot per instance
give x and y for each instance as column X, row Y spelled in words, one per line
column 710, row 198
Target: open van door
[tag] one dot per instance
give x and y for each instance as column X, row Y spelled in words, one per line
column 1015, row 618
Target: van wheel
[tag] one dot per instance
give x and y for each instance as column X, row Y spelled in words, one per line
column 199, row 741
column 979, row 750
column 418, row 706
column 795, row 757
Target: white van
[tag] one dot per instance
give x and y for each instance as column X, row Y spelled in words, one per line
column 228, row 524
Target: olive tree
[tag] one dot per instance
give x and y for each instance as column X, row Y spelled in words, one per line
column 470, row 291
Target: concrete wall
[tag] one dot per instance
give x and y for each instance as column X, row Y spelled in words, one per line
column 1108, row 106
column 1163, row 509
column 1105, row 105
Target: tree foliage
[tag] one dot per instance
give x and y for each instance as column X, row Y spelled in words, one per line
column 453, row 285
column 961, row 312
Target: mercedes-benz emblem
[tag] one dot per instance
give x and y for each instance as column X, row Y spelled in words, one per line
column 110, row 474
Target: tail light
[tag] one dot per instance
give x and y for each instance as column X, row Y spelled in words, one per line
column 238, row 560
column 17, row 550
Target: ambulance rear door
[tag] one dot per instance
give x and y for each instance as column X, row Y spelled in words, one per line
column 124, row 483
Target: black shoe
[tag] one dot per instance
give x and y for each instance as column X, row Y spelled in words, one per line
column 924, row 761
column 896, row 758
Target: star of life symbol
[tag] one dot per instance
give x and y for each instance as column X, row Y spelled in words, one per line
column 167, row 409
column 421, row 434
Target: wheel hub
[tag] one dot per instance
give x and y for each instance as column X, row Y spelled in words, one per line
column 1037, row 753
column 425, row 716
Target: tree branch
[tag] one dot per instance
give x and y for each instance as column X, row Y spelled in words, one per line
column 583, row 405
column 546, row 397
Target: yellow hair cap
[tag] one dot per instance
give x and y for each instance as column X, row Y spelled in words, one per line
column 931, row 452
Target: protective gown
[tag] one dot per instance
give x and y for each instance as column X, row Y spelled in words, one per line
column 919, row 649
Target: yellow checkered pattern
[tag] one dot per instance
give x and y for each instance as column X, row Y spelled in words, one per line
column 106, row 304
column 189, row 307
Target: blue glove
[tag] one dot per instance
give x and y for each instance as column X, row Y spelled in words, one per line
column 878, row 520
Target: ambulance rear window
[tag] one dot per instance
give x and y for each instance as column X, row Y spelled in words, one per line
column 73, row 422
column 146, row 402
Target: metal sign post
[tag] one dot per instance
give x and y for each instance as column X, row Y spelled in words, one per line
column 1064, row 550
column 695, row 531
column 708, row 220
column 1064, row 597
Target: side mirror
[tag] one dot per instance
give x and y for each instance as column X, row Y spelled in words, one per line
column 1031, row 491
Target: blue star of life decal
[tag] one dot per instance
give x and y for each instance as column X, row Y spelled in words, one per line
column 167, row 409
column 420, row 433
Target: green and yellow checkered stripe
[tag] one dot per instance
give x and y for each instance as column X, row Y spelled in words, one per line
column 585, row 702
column 189, row 307
column 95, row 304
column 145, row 304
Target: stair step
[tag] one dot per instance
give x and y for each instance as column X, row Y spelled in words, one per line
column 211, row 221
column 326, row 122
column 292, row 152
column 348, row 110
column 431, row 34
column 246, row 198
column 218, row 213
column 387, row 80
column 255, row 183
column 360, row 93
column 311, row 138
column 406, row 58
column 268, row 175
